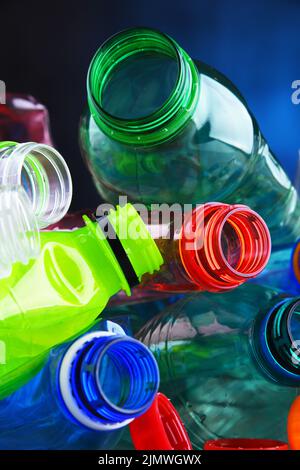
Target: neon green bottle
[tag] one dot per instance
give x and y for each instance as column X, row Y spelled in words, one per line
column 59, row 295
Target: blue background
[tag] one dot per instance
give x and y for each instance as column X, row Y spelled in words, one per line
column 48, row 48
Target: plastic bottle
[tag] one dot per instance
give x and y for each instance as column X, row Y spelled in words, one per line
column 19, row 232
column 60, row 294
column 293, row 425
column 226, row 361
column 24, row 119
column 283, row 269
column 159, row 428
column 163, row 128
column 44, row 175
column 245, row 444
column 214, row 248
column 36, row 183
column 86, row 393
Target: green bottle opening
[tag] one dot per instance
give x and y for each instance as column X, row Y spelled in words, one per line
column 161, row 81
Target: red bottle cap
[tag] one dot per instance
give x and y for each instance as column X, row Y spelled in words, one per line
column 293, row 425
column 245, row 444
column 222, row 245
column 160, row 428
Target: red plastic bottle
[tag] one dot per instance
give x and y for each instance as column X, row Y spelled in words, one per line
column 160, row 428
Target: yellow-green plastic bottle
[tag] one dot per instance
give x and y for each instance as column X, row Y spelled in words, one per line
column 59, row 295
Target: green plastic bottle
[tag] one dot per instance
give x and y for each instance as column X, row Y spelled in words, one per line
column 59, row 295
column 162, row 128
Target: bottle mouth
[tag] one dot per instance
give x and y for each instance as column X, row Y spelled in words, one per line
column 245, row 444
column 160, row 428
column 222, row 245
column 44, row 175
column 19, row 234
column 142, row 87
column 111, row 380
column 276, row 341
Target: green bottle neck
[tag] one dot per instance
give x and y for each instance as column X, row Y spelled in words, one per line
column 125, row 244
column 165, row 121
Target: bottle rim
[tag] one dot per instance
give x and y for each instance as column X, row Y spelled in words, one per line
column 160, row 428
column 171, row 116
column 275, row 349
column 201, row 249
column 245, row 444
column 114, row 416
column 43, row 173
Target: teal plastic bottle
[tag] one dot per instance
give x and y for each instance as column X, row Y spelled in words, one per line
column 88, row 391
column 230, row 363
column 162, row 128
column 282, row 270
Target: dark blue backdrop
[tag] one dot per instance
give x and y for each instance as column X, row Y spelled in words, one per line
column 256, row 43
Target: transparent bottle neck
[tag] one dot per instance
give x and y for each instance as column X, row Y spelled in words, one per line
column 44, row 175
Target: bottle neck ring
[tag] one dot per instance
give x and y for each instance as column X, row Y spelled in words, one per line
column 106, row 380
column 222, row 245
column 161, row 124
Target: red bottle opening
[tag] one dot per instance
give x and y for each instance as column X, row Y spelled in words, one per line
column 222, row 245
column 160, row 428
column 245, row 444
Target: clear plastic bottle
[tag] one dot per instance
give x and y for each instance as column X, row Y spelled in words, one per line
column 60, row 293
column 44, row 175
column 226, row 361
column 86, row 393
column 163, row 128
column 35, row 191
column 283, row 269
